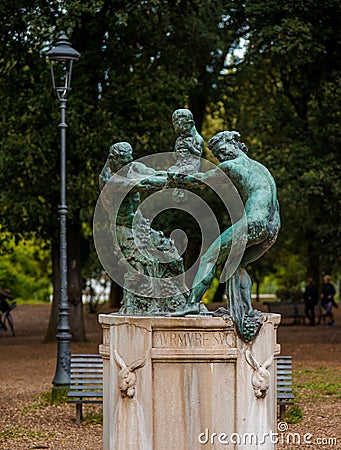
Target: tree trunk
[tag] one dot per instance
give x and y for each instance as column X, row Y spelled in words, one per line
column 197, row 106
column 313, row 269
column 218, row 296
column 51, row 331
column 116, row 295
column 190, row 259
column 75, row 285
column 76, row 318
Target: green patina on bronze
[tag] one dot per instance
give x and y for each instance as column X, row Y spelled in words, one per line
column 162, row 292
column 258, row 190
column 188, row 148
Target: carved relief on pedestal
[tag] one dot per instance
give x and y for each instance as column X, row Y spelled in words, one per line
column 127, row 377
column 128, row 410
column 261, row 376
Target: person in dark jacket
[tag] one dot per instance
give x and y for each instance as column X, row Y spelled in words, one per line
column 310, row 297
column 327, row 299
column 6, row 309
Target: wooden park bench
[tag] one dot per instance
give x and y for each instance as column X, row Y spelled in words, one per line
column 288, row 310
column 86, row 381
column 285, row 396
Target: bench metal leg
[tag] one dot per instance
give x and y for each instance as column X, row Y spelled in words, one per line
column 79, row 413
column 282, row 411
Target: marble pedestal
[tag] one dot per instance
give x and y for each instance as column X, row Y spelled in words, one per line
column 186, row 384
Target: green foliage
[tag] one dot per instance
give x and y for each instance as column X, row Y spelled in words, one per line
column 294, row 415
column 93, row 417
column 316, row 383
column 22, row 433
column 140, row 61
column 311, row 385
column 209, row 294
column 284, row 99
column 58, row 396
column 44, row 399
column 25, row 270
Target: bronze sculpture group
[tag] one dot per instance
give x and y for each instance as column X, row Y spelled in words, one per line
column 154, row 282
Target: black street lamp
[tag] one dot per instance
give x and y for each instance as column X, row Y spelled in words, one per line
column 61, row 61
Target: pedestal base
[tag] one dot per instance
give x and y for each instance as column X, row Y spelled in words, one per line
column 187, row 384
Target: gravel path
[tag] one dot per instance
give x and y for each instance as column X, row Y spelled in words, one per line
column 27, row 368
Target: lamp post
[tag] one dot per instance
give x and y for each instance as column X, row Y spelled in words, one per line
column 61, row 58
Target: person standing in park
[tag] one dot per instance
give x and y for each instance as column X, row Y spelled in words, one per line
column 6, row 309
column 310, row 297
column 327, row 299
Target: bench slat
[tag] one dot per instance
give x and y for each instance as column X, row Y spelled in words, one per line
column 87, row 386
column 285, row 396
column 88, row 374
column 96, row 374
column 87, row 380
column 87, row 357
column 80, row 402
column 85, row 394
column 80, row 366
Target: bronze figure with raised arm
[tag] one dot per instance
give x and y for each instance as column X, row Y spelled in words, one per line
column 258, row 190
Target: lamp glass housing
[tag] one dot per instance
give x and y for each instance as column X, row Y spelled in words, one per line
column 61, row 62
